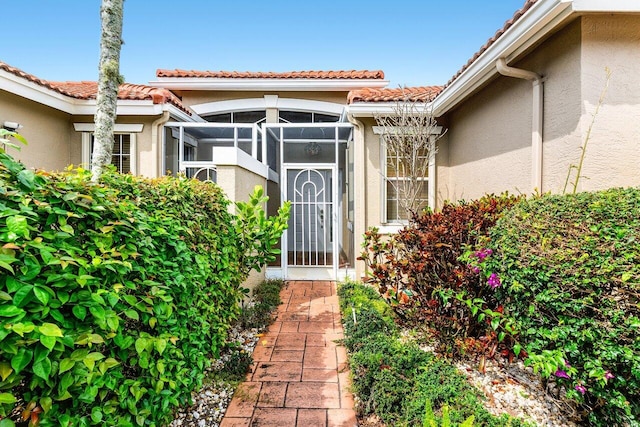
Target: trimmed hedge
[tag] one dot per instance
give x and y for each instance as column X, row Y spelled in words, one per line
column 570, row 272
column 114, row 297
column 394, row 378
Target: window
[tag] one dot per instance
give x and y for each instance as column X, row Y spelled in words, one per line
column 121, row 156
column 397, row 187
column 257, row 116
column 286, row 116
column 124, row 151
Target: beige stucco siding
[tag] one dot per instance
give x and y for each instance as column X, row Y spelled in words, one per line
column 613, row 152
column 373, row 178
column 148, row 153
column 48, row 132
column 442, row 170
column 489, row 142
column 558, row 60
column 238, row 183
column 201, row 97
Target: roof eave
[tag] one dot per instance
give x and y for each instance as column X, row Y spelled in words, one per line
column 30, row 90
column 541, row 19
column 371, row 109
column 67, row 104
column 298, row 85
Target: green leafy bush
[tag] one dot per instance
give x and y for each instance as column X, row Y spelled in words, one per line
column 394, row 378
column 113, row 297
column 420, row 272
column 570, row 273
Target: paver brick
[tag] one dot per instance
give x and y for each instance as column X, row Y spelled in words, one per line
column 312, row 417
column 274, row 417
column 278, row 371
column 312, row 395
column 300, row 374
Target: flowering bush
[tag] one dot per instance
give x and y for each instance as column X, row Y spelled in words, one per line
column 569, row 277
column 420, row 272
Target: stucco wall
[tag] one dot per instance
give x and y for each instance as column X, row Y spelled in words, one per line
column 48, row 132
column 148, row 153
column 559, row 61
column 489, row 139
column 238, row 184
column 612, row 156
column 200, row 97
column 442, row 169
column 488, row 144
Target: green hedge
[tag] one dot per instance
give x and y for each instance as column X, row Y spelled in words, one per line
column 113, row 297
column 570, row 273
column 394, row 378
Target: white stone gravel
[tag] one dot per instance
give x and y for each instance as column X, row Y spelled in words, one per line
column 514, row 389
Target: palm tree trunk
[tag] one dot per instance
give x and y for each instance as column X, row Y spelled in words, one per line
column 109, row 80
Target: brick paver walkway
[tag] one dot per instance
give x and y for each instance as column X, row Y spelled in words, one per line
column 300, row 375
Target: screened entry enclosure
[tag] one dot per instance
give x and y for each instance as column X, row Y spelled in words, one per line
column 308, row 164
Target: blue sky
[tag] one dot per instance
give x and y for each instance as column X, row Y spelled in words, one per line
column 420, row 42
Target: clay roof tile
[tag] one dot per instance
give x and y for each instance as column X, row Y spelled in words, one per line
column 350, row 74
column 411, row 94
column 89, row 89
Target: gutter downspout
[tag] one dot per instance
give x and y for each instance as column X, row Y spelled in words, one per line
column 537, row 119
column 359, row 185
column 155, row 131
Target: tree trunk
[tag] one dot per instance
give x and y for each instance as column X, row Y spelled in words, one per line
column 108, row 82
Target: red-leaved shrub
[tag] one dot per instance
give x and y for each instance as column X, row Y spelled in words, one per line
column 419, row 271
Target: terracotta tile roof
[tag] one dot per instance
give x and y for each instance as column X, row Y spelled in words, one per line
column 89, row 90
column 411, row 94
column 527, row 5
column 352, row 74
column 30, row 77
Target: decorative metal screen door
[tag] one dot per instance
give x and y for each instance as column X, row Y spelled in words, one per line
column 310, row 240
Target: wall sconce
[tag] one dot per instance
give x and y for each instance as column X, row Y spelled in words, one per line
column 312, row 148
column 12, row 126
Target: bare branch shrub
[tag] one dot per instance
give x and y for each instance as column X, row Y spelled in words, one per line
column 409, row 135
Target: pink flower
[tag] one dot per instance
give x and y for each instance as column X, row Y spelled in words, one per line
column 608, row 375
column 561, row 374
column 494, row 281
column 482, row 254
column 581, row 388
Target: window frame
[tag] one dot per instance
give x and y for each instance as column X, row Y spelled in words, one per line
column 133, row 148
column 430, row 180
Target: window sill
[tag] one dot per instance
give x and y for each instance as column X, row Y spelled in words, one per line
column 390, row 228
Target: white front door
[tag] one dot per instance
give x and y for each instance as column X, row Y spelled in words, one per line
column 311, row 244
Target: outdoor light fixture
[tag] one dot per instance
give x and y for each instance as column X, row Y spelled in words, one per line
column 12, row 126
column 312, row 148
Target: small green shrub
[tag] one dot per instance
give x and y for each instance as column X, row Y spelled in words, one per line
column 113, row 297
column 570, row 272
column 266, row 298
column 393, row 377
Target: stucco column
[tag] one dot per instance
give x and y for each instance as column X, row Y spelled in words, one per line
column 360, row 197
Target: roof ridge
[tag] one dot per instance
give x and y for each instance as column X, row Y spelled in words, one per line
column 307, row 74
